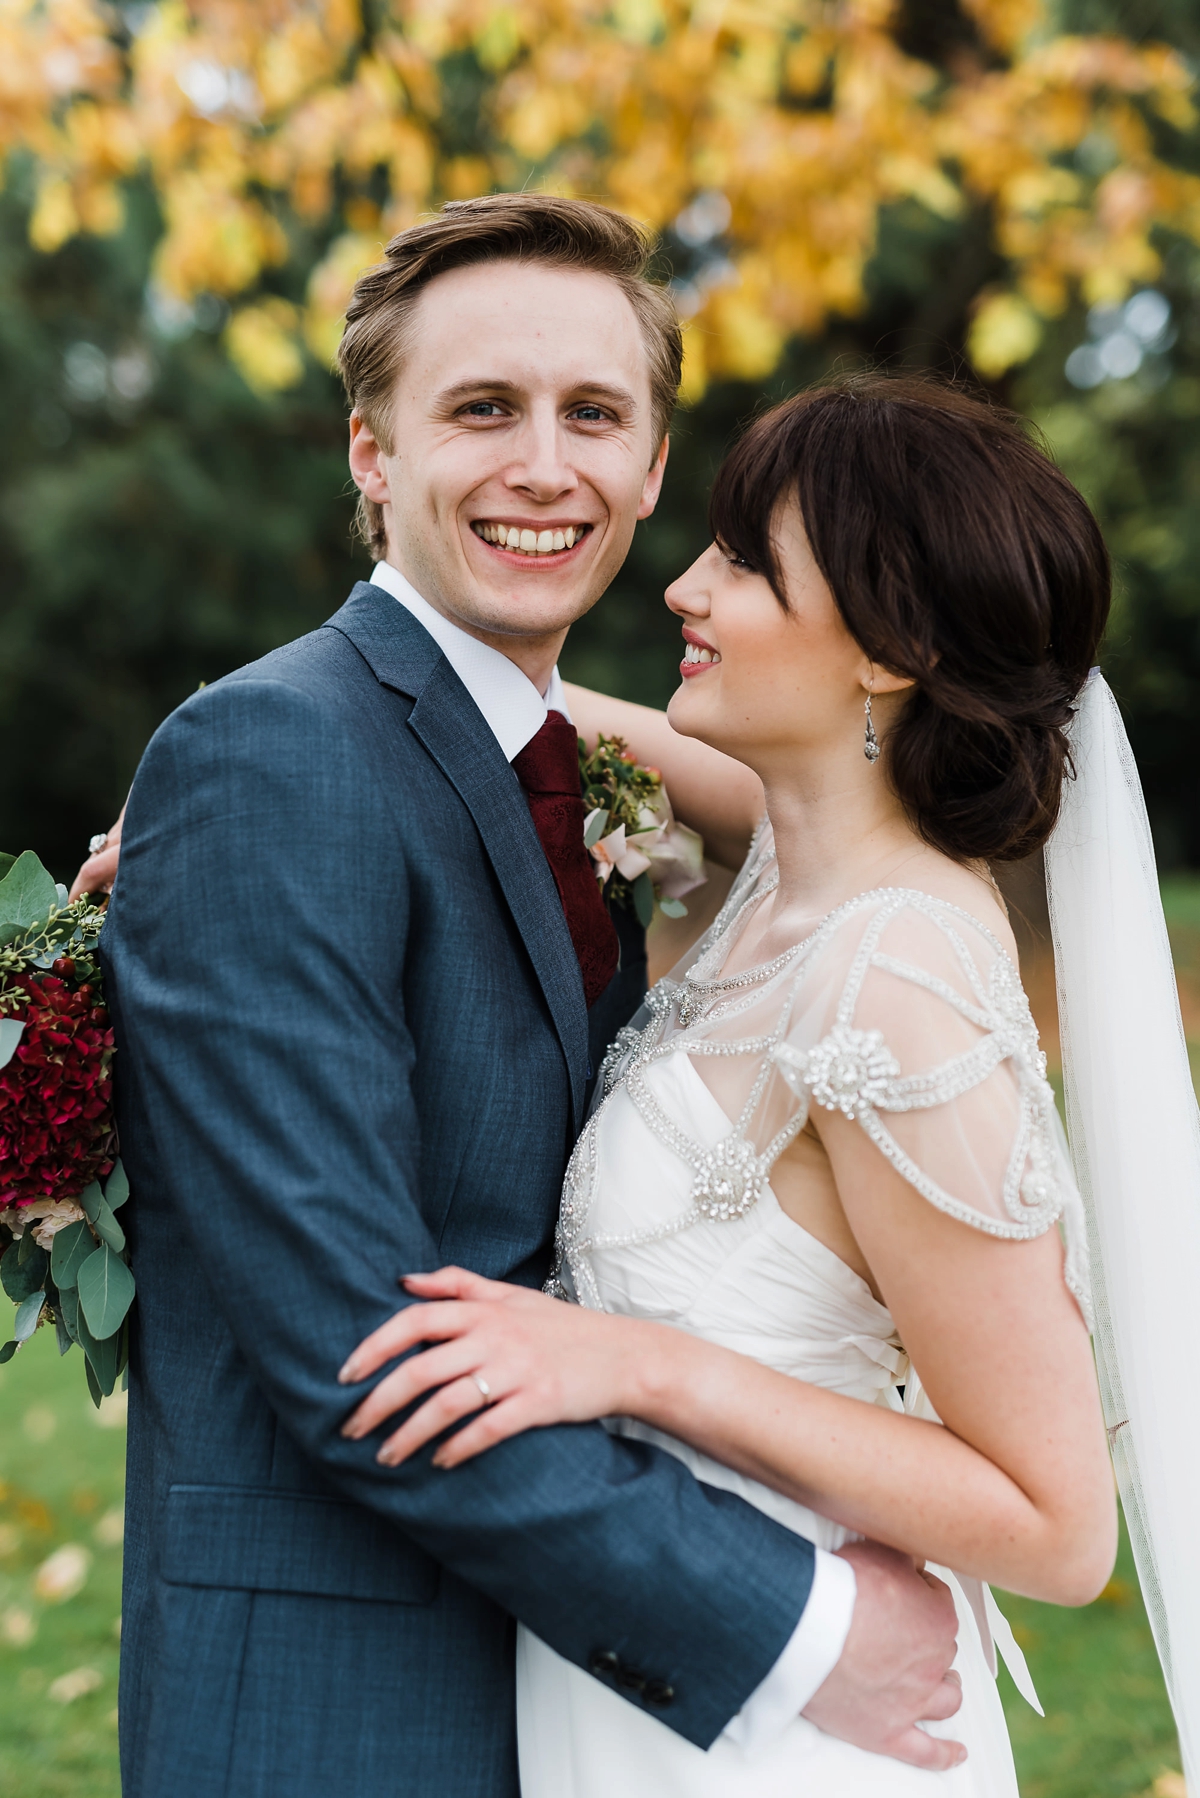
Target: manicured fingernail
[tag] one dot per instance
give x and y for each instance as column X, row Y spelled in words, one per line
column 349, row 1373
column 387, row 1457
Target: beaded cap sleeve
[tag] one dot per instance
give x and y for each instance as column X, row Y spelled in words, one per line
column 901, row 1011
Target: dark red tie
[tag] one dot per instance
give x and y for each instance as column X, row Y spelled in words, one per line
column 548, row 769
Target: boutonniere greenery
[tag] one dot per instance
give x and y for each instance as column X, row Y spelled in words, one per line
column 63, row 1260
column 642, row 854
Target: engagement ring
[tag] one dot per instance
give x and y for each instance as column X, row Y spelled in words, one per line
column 98, row 842
column 484, row 1388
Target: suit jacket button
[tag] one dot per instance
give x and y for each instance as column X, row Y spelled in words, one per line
column 604, row 1664
column 658, row 1692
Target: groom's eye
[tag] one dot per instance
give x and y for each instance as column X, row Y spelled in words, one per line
column 482, row 409
column 590, row 414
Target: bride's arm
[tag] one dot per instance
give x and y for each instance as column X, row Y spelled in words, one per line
column 1016, row 1489
column 715, row 795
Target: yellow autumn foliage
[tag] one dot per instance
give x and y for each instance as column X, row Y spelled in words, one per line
column 261, row 340
column 804, row 121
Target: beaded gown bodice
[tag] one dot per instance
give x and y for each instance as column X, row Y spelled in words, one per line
column 900, row 1010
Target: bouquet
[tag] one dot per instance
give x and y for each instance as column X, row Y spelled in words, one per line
column 63, row 1261
column 640, row 851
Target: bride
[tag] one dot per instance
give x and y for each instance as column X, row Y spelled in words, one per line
column 820, row 1233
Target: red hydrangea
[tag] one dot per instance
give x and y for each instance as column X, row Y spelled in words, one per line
column 56, row 1122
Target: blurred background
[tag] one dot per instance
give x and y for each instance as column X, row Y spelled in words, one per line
column 1004, row 189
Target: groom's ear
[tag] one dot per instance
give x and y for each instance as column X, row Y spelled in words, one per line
column 367, row 461
column 654, row 480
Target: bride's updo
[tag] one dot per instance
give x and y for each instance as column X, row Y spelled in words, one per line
column 959, row 555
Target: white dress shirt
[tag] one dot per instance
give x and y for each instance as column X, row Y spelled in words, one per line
column 512, row 707
column 515, row 711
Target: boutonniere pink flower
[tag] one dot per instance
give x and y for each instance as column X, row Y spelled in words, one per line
column 643, row 855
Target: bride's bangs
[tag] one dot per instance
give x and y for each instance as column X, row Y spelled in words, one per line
column 744, row 499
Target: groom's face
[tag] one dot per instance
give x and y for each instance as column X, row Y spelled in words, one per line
column 522, row 448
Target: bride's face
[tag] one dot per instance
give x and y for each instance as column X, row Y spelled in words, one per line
column 756, row 679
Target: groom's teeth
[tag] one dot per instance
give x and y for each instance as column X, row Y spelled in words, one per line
column 527, row 542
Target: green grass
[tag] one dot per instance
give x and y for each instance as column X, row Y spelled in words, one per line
column 1181, row 902
column 62, row 1475
column 1107, row 1732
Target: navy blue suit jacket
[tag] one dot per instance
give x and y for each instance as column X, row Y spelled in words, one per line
column 353, row 1042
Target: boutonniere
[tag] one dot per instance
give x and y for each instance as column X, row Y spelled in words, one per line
column 63, row 1260
column 642, row 853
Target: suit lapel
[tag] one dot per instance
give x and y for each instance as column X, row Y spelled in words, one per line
column 447, row 722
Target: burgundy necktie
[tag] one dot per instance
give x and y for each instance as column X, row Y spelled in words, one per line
column 548, row 769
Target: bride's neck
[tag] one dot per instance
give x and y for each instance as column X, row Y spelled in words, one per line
column 838, row 831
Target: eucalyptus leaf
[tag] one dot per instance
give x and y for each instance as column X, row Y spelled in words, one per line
column 105, row 1287
column 6, row 862
column 26, row 1246
column 672, row 908
column 27, row 1316
column 93, row 1385
column 116, row 1187
column 21, row 1279
column 72, row 1247
column 65, row 1338
column 594, row 828
column 102, row 1357
column 8, row 1351
column 107, row 1228
column 68, row 1312
column 89, row 1198
column 11, row 1032
column 60, row 893
column 27, row 893
column 643, row 900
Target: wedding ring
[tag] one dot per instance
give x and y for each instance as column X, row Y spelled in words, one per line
column 98, row 842
column 485, row 1390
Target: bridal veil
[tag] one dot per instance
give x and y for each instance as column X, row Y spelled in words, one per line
column 1134, row 1133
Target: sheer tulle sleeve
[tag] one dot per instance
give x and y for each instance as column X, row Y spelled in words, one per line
column 921, row 1032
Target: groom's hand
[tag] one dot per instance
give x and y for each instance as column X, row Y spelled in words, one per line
column 895, row 1667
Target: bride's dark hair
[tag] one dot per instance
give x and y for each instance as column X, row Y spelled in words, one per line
column 957, row 554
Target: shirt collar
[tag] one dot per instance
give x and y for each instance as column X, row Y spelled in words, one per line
column 512, row 707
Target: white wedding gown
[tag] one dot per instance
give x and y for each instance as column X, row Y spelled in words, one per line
column 898, row 1005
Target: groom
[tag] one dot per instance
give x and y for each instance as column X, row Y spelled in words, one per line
column 351, row 959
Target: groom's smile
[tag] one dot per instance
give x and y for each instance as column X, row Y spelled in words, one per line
column 522, row 451
column 536, row 537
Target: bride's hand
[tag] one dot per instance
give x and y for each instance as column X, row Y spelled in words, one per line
column 514, row 1358
column 100, row 870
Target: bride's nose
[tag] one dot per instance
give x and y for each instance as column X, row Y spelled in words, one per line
column 691, row 595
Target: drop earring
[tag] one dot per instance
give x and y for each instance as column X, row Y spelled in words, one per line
column 871, row 741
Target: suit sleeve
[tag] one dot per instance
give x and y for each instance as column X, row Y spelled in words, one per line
column 255, row 963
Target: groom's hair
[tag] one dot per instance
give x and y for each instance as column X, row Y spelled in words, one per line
column 530, row 228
